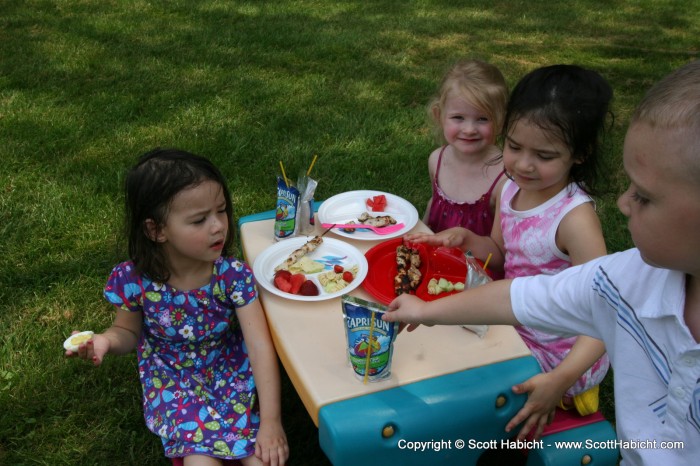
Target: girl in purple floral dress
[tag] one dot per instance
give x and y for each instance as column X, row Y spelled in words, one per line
column 211, row 388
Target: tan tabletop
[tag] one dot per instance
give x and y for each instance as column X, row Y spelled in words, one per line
column 310, row 340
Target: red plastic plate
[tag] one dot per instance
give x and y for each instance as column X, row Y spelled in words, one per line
column 448, row 263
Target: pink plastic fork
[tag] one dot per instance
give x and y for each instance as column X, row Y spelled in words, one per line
column 387, row 230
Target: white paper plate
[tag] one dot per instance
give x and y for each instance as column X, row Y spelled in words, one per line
column 344, row 207
column 330, row 253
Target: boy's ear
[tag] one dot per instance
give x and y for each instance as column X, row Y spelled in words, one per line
column 152, row 232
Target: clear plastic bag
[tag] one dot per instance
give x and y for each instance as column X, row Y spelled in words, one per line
column 476, row 276
column 305, row 212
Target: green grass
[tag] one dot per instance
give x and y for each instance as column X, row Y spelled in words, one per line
column 87, row 85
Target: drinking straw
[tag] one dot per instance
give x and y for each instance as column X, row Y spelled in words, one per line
column 369, row 348
column 286, row 183
column 308, row 172
column 486, row 264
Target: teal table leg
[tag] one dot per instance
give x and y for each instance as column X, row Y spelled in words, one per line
column 448, row 420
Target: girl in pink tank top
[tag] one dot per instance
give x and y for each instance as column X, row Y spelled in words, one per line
column 547, row 222
column 468, row 115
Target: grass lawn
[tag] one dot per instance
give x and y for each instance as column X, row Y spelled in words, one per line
column 86, row 86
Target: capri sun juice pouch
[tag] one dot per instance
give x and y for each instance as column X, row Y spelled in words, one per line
column 286, row 210
column 370, row 340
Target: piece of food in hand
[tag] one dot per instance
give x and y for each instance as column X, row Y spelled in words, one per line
column 74, row 341
column 297, row 254
column 308, row 288
column 376, row 203
column 379, row 221
column 408, row 275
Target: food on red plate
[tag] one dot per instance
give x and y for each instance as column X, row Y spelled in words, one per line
column 308, row 288
column 376, row 203
column 310, row 245
column 408, row 275
column 438, row 286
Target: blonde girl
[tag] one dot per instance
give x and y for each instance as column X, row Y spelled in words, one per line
column 465, row 170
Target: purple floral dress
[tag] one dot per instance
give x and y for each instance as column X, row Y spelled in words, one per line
column 198, row 390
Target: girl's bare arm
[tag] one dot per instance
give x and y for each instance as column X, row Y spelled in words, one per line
column 271, row 443
column 120, row 338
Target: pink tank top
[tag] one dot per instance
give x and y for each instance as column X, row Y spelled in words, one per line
column 446, row 213
column 530, row 241
column 530, row 235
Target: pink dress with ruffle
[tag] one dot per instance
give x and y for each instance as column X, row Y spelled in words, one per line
column 446, row 213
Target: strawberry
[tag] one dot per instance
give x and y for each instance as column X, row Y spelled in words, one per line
column 282, row 283
column 286, row 274
column 296, row 281
column 347, row 276
column 338, row 268
column 308, row 288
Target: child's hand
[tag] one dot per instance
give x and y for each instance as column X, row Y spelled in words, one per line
column 451, row 238
column 92, row 350
column 406, row 309
column 271, row 444
column 543, row 397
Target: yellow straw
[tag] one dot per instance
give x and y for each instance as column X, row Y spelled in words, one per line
column 486, row 264
column 369, row 348
column 286, row 183
column 308, row 172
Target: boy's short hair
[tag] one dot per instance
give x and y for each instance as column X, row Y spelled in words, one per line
column 674, row 104
column 674, row 101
